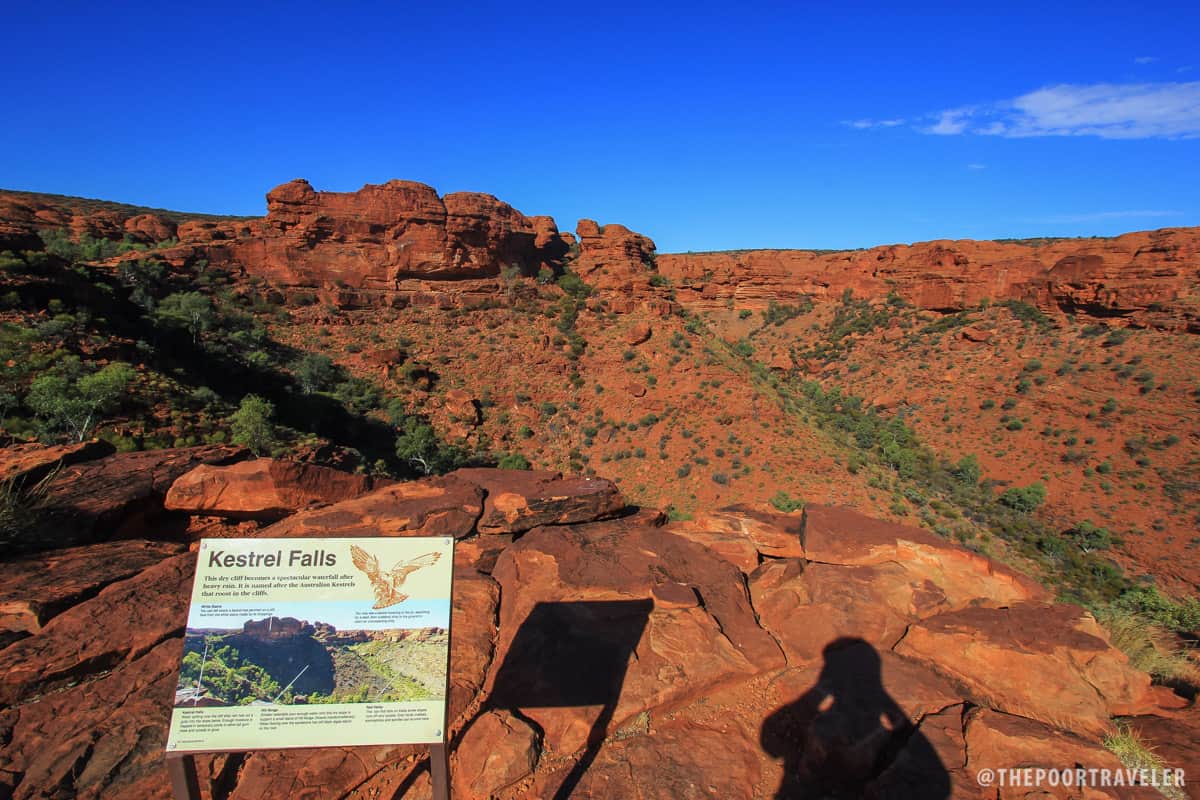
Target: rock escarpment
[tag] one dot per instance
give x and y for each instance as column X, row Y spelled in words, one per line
column 400, row 243
column 380, row 235
column 1144, row 274
column 738, row 654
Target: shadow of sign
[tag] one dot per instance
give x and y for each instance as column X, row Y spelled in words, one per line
column 572, row 654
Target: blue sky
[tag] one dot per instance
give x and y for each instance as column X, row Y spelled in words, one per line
column 705, row 126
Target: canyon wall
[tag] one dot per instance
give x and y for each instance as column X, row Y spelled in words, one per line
column 400, row 242
column 1150, row 274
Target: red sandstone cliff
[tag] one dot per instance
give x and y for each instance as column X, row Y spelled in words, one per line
column 1144, row 273
column 399, row 242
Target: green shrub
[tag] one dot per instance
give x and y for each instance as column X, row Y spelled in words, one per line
column 786, row 503
column 315, row 372
column 968, row 471
column 418, row 445
column 251, row 425
column 513, row 461
column 1024, row 499
column 1027, row 314
column 1090, row 537
column 75, row 405
column 778, row 313
column 1118, row 337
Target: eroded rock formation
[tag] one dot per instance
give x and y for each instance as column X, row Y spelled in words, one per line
column 399, row 243
column 1141, row 273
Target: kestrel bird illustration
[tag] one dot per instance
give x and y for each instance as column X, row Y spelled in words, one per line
column 387, row 584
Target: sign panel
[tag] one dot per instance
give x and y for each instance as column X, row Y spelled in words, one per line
column 315, row 643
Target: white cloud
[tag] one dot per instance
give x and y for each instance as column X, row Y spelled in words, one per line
column 1145, row 60
column 951, row 122
column 864, row 124
column 976, row 167
column 1168, row 110
column 1101, row 216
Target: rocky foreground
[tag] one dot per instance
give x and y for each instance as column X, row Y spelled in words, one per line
column 596, row 649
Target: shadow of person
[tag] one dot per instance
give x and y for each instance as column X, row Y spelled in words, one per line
column 847, row 738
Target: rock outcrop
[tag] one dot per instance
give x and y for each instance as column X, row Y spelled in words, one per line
column 738, row 654
column 264, row 489
column 378, row 236
column 399, row 243
column 1141, row 274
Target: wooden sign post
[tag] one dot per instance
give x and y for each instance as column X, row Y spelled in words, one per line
column 314, row 643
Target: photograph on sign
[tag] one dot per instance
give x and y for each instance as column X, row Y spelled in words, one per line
column 314, row 643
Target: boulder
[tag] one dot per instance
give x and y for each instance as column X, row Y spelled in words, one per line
column 262, row 489
column 123, row 622
column 579, row 600
column 834, row 535
column 29, row 462
column 974, row 334
column 101, row 738
column 613, row 257
column 637, row 334
column 35, row 589
column 1048, row 662
column 519, row 500
column 998, row 741
column 122, row 495
column 496, row 751
column 443, row 506
column 463, row 407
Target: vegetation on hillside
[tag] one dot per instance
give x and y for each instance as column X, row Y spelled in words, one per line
column 74, row 331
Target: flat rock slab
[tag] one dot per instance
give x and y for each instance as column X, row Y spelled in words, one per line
column 445, row 506
column 932, row 763
column 840, row 718
column 520, row 500
column 619, row 617
column 102, row 738
column 496, row 751
column 35, row 589
column 1048, row 662
column 1176, row 740
column 122, row 622
column 122, row 495
column 740, row 534
column 835, row 535
column 327, row 772
column 999, row 741
column 808, row 606
column 30, row 462
column 263, row 489
column 681, row 760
